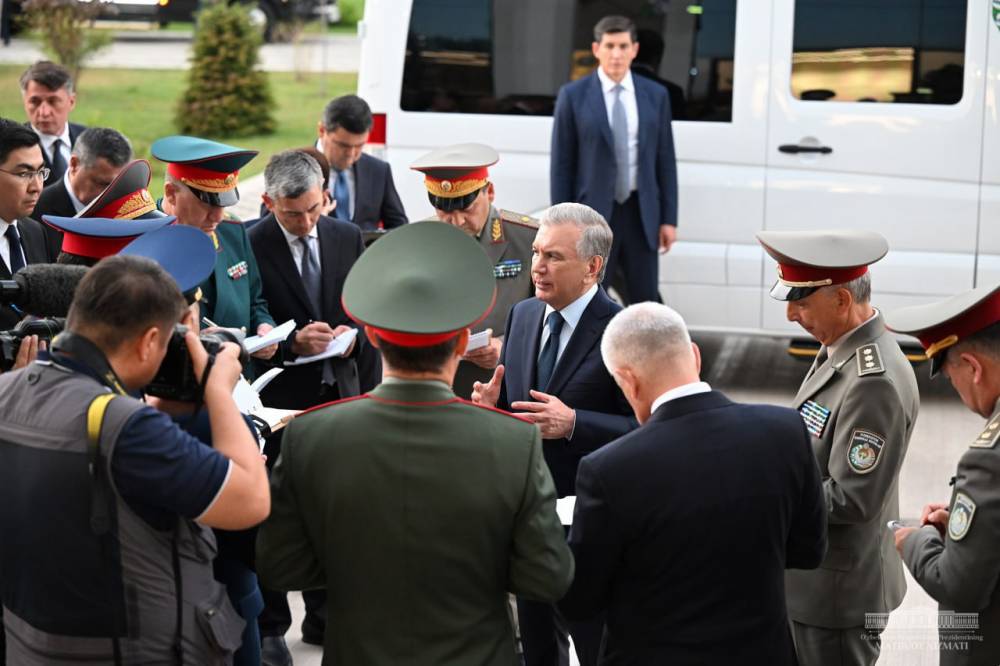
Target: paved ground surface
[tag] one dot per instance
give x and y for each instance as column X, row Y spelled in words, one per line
column 171, row 50
column 758, row 370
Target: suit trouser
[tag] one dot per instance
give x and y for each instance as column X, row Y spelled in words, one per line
column 276, row 617
column 821, row 646
column 545, row 636
column 631, row 254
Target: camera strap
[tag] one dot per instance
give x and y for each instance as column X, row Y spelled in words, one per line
column 78, row 350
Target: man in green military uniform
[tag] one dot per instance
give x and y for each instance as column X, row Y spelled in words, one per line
column 458, row 186
column 954, row 554
column 859, row 402
column 417, row 511
column 201, row 182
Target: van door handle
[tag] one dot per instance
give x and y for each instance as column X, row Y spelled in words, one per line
column 793, row 148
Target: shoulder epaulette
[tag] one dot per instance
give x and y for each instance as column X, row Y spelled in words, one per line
column 518, row 218
column 989, row 436
column 869, row 360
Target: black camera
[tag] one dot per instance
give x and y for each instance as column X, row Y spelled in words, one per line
column 176, row 380
column 10, row 341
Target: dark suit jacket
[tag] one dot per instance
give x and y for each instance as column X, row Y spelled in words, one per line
column 375, row 196
column 683, row 529
column 339, row 246
column 75, row 130
column 583, row 157
column 580, row 380
column 36, row 251
column 54, row 200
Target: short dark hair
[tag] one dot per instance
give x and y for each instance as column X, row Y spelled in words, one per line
column 614, row 24
column 417, row 359
column 350, row 112
column 70, row 259
column 14, row 136
column 48, row 74
column 120, row 298
column 96, row 143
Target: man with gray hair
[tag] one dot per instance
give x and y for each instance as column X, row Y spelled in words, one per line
column 859, row 402
column 99, row 155
column 684, row 527
column 551, row 373
column 304, row 258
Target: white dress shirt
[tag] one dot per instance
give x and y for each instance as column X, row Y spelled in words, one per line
column 681, row 391
column 77, row 204
column 349, row 177
column 296, row 247
column 5, row 244
column 631, row 117
column 49, row 139
column 571, row 319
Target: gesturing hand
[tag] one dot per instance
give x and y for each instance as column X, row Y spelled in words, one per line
column 550, row 414
column 488, row 394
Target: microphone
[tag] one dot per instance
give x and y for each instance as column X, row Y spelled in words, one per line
column 43, row 290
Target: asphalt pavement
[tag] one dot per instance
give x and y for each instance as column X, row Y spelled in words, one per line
column 158, row 49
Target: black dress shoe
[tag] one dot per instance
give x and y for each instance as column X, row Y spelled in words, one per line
column 274, row 651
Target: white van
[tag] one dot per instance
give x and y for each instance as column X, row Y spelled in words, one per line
column 797, row 114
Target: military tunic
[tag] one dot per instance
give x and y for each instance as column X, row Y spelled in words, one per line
column 962, row 570
column 860, row 406
column 419, row 513
column 506, row 238
column 233, row 295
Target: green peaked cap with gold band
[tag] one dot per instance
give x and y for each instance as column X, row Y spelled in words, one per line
column 420, row 285
column 208, row 168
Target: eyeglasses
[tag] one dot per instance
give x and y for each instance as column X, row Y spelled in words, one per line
column 27, row 176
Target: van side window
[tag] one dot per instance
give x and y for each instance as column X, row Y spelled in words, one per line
column 898, row 51
column 512, row 56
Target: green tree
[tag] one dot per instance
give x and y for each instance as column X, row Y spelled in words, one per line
column 66, row 30
column 227, row 96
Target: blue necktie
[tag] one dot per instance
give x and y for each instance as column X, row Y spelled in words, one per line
column 343, row 198
column 619, row 130
column 16, row 253
column 550, row 352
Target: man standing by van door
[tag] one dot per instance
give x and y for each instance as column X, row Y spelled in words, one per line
column 612, row 118
column 859, row 402
column 360, row 184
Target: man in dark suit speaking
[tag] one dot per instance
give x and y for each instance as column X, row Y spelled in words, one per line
column 613, row 149
column 683, row 528
column 551, row 371
column 361, row 185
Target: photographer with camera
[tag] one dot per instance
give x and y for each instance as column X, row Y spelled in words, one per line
column 105, row 501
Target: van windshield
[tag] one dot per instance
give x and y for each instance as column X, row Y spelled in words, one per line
column 512, row 56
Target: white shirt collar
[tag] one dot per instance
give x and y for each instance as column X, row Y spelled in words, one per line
column 4, row 224
column 571, row 313
column 607, row 83
column 291, row 238
column 49, row 139
column 681, row 391
column 77, row 204
column 832, row 349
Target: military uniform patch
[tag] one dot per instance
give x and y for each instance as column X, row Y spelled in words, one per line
column 236, row 271
column 815, row 416
column 989, row 437
column 863, row 450
column 869, row 360
column 507, row 268
column 960, row 519
column 496, row 231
